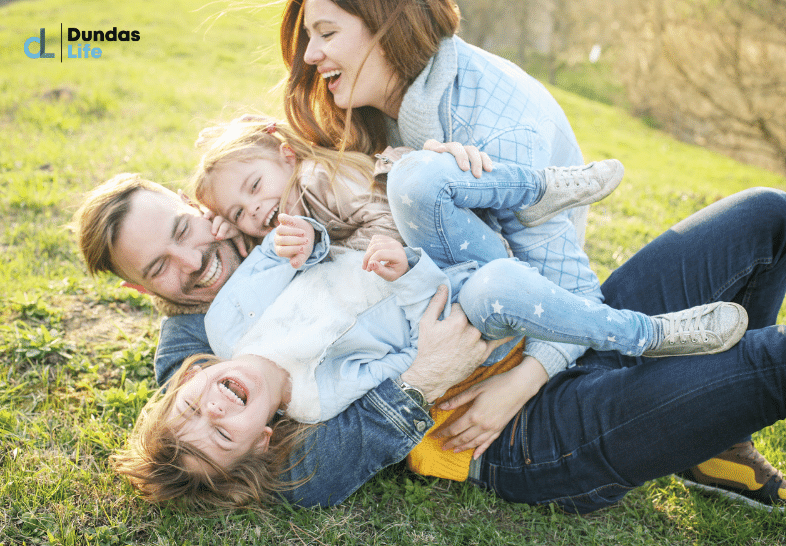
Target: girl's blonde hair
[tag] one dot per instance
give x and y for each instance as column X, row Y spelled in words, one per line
column 260, row 137
column 154, row 458
column 409, row 33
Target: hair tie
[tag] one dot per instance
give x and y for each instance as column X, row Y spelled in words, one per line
column 271, row 128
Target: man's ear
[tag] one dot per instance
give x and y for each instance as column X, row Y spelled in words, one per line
column 187, row 200
column 137, row 287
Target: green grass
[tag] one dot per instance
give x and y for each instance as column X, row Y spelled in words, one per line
column 76, row 353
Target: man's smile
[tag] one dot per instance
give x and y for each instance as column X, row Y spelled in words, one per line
column 212, row 272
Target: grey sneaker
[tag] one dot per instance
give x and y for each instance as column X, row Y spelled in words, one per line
column 702, row 330
column 568, row 187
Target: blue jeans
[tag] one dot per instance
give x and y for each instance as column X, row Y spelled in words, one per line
column 613, row 422
column 507, row 297
column 431, row 199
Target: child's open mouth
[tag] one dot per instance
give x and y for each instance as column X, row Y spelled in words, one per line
column 234, row 390
column 272, row 217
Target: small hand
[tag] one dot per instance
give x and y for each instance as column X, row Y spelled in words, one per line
column 386, row 257
column 466, row 156
column 294, row 239
column 222, row 229
column 495, row 402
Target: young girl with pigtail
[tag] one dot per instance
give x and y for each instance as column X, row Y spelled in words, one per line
column 256, row 168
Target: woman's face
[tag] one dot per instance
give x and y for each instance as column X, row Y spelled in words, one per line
column 338, row 43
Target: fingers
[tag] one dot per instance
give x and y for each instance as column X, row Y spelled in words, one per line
column 291, row 222
column 223, row 230
column 435, row 146
column 377, row 243
column 386, row 257
column 467, row 157
column 493, row 344
column 240, row 243
column 294, row 239
column 474, row 437
column 291, row 231
column 457, row 401
column 436, row 305
column 480, row 161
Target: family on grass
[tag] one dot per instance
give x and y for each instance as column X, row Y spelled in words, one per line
column 397, row 272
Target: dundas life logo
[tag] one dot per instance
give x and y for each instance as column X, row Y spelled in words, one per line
column 84, row 50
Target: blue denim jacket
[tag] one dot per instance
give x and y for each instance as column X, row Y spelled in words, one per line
column 379, row 429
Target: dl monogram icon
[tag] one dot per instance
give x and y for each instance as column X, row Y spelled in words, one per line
column 41, row 54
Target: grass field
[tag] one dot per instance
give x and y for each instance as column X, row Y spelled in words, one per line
column 76, row 353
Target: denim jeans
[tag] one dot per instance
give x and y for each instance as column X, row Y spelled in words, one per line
column 612, row 422
column 431, row 199
column 510, row 298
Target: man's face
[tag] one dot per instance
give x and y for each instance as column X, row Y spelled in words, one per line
column 167, row 247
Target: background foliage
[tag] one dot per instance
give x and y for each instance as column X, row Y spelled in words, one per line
column 710, row 72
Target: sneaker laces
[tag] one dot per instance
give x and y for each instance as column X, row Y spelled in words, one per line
column 687, row 324
column 747, row 451
column 577, row 174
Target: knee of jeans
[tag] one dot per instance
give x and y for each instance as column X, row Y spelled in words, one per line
column 770, row 205
column 421, row 174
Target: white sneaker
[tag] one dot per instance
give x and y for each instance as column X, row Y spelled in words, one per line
column 702, row 330
column 568, row 187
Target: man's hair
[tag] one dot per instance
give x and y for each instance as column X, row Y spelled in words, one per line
column 409, row 33
column 154, row 459
column 98, row 220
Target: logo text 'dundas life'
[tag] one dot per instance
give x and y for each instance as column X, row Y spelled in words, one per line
column 84, row 50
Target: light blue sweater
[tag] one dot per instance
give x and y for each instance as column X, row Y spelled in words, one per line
column 468, row 95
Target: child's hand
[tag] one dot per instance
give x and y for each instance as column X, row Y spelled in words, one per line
column 224, row 229
column 294, row 239
column 467, row 157
column 386, row 257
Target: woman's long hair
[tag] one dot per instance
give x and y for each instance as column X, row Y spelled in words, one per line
column 409, row 33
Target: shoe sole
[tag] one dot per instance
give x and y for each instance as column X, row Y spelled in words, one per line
column 731, row 495
column 619, row 173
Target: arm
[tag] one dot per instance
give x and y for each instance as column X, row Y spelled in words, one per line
column 251, row 289
column 180, row 336
column 383, row 341
column 478, row 428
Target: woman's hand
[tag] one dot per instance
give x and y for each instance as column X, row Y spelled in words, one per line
column 386, row 257
column 466, row 156
column 495, row 402
column 294, row 239
column 448, row 350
